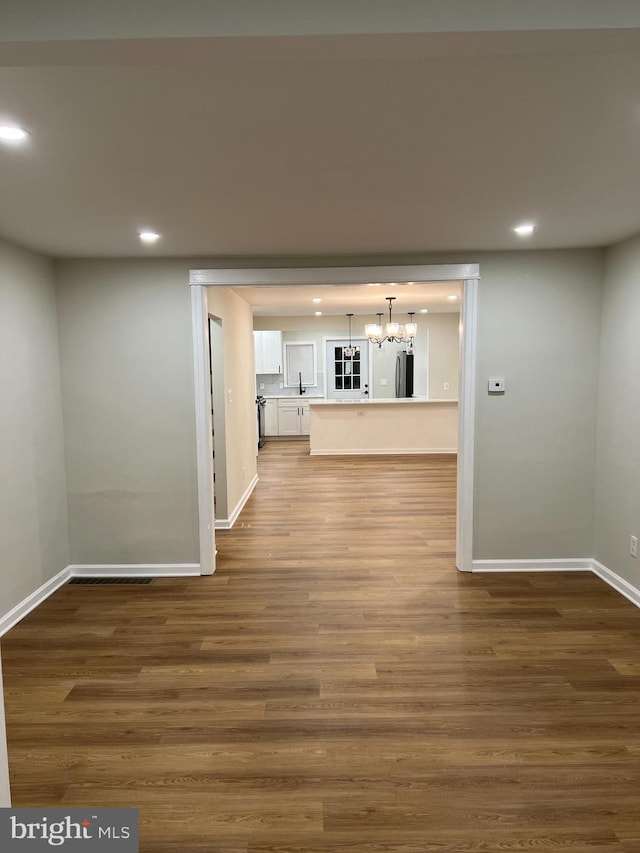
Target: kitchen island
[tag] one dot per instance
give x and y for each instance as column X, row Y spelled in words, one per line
column 407, row 425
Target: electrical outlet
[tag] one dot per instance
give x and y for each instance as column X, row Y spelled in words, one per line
column 633, row 546
column 446, row 386
column 384, row 382
column 262, row 386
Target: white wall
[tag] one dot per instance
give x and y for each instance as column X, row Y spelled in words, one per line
column 239, row 390
column 386, row 427
column 127, row 367
column 34, row 532
column 444, row 354
column 618, row 442
column 538, row 327
column 219, row 419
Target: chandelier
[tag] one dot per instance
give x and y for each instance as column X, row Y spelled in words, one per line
column 396, row 333
column 350, row 351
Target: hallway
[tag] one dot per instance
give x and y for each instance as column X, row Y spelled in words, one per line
column 337, row 685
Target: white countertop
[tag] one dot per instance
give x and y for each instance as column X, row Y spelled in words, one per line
column 399, row 401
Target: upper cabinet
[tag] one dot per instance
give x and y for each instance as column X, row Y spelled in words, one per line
column 268, row 350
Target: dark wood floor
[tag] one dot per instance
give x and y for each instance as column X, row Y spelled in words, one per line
column 338, row 685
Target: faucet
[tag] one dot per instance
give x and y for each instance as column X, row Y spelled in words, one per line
column 302, row 390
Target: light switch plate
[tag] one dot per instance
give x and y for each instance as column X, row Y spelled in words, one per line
column 497, row 386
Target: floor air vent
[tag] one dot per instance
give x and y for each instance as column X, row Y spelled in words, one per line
column 112, row 581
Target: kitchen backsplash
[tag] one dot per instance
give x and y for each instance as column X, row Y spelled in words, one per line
column 272, row 383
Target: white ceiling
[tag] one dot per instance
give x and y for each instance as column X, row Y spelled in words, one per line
column 359, row 299
column 322, row 145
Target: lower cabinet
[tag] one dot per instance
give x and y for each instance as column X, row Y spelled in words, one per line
column 293, row 418
column 271, row 417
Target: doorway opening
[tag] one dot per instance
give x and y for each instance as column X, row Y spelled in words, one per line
column 218, row 422
column 465, row 274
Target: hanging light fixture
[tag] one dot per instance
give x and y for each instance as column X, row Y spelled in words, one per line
column 350, row 351
column 395, row 333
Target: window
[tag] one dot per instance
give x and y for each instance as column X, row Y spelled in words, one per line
column 300, row 364
column 346, row 370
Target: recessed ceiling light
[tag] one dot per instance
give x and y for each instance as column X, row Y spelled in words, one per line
column 525, row 229
column 12, row 133
column 424, row 310
column 316, row 299
column 375, row 284
column 318, row 313
column 149, row 236
column 452, row 297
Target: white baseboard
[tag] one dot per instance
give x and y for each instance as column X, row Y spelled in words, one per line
column 135, row 570
column 614, row 580
column 618, row 583
column 17, row 613
column 405, row 451
column 32, row 601
column 227, row 523
column 563, row 565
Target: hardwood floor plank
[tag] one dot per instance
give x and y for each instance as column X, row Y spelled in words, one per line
column 337, row 685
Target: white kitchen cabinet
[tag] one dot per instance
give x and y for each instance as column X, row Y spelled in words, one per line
column 268, row 351
column 304, row 419
column 271, row 417
column 293, row 417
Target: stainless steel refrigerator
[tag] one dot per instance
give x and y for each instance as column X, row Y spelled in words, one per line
column 404, row 374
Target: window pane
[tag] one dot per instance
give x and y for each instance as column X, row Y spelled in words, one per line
column 338, row 383
column 356, row 383
column 347, row 383
column 337, row 353
column 338, row 370
column 347, row 368
column 356, row 369
column 299, row 363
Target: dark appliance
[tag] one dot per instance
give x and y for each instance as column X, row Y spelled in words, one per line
column 260, row 405
column 404, row 374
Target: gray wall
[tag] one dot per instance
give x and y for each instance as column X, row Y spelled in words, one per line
column 618, row 443
column 539, row 315
column 128, row 403
column 34, row 536
column 126, row 357
column 129, row 421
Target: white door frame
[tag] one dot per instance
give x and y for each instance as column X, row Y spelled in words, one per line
column 469, row 274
